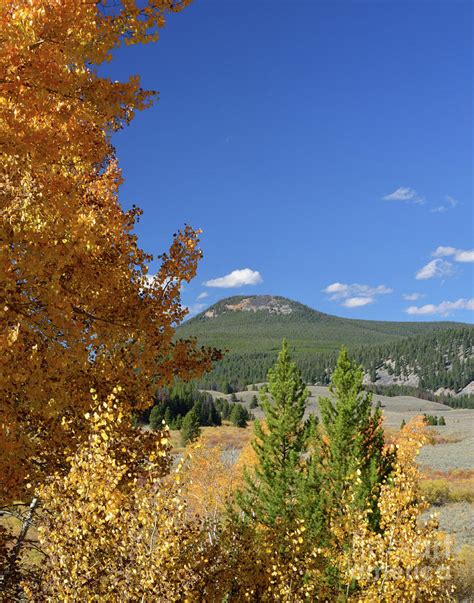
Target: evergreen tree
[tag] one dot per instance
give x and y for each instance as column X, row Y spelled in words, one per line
column 190, row 429
column 239, row 415
column 156, row 417
column 226, row 387
column 354, row 440
column 441, row 421
column 254, row 402
column 168, row 417
column 310, row 502
column 270, row 492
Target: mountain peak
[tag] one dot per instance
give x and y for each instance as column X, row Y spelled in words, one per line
column 245, row 323
column 253, row 303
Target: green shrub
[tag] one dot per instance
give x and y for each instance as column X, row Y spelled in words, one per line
column 436, row 491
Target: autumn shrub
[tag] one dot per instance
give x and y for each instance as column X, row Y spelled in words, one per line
column 259, row 567
column 408, row 559
column 436, row 491
column 443, row 490
column 115, row 528
column 329, row 512
column 460, row 493
column 464, row 573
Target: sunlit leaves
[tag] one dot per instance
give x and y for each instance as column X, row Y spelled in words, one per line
column 115, row 526
column 73, row 310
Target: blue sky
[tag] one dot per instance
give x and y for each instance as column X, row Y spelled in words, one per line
column 326, row 146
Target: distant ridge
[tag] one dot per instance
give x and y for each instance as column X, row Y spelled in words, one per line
column 436, row 357
column 257, row 323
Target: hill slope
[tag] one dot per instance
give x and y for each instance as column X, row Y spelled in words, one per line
column 424, row 355
column 258, row 323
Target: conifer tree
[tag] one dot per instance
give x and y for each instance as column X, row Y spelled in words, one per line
column 239, row 415
column 156, row 417
column 270, row 492
column 168, row 418
column 190, row 429
column 353, row 440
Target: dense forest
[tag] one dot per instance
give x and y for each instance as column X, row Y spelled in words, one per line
column 248, row 324
column 173, row 404
column 442, row 359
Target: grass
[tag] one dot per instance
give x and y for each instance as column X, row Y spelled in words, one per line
column 443, row 487
column 226, row 435
column 464, row 573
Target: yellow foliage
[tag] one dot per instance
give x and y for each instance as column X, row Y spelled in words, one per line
column 76, row 307
column 114, row 527
column 409, row 560
column 213, row 473
column 464, row 573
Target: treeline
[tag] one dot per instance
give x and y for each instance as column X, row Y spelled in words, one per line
column 443, row 359
column 236, row 371
column 173, row 404
column 465, row 401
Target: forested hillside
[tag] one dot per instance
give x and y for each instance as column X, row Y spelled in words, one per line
column 444, row 359
column 258, row 324
column 415, row 357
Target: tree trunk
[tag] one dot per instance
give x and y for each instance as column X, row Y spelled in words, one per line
column 15, row 552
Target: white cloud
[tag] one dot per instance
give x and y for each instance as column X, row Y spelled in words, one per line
column 357, row 302
column 148, row 280
column 451, row 203
column 406, row 194
column 441, row 251
column 441, row 209
column 444, row 308
column 203, row 295
column 435, row 269
column 338, row 289
column 237, row 278
column 464, row 256
column 458, row 255
column 355, row 295
column 412, row 296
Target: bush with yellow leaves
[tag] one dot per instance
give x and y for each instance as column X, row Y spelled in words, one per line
column 408, row 560
column 114, row 527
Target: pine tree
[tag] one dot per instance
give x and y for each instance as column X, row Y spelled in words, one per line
column 239, row 415
column 353, row 440
column 156, row 417
column 254, row 402
column 270, row 493
column 190, row 429
column 168, row 418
